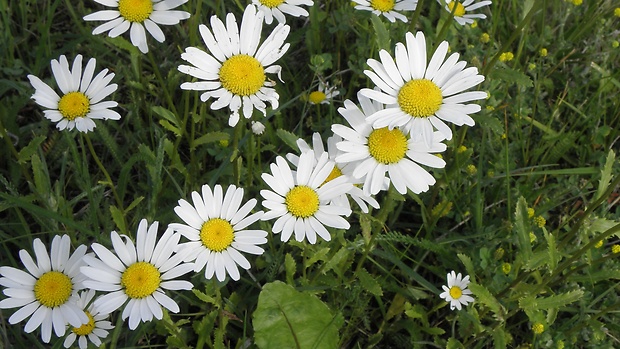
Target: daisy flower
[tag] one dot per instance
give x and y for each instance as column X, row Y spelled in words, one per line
column 301, row 201
column 339, row 169
column 377, row 151
column 387, row 8
column 277, row 8
column 216, row 227
column 48, row 291
column 94, row 330
column 456, row 292
column 137, row 15
column 234, row 70
column 137, row 275
column 421, row 96
column 324, row 94
column 461, row 14
column 82, row 95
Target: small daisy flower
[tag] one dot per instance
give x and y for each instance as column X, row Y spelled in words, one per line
column 277, row 8
column 461, row 13
column 456, row 292
column 94, row 330
column 343, row 169
column 137, row 275
column 421, row 96
column 234, row 70
column 324, row 94
column 300, row 200
column 216, row 227
column 48, row 291
column 136, row 15
column 377, row 151
column 82, row 95
column 387, row 8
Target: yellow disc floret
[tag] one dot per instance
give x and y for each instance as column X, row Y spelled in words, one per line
column 420, row 98
column 271, row 3
column 140, row 280
column 53, row 289
column 460, row 9
column 456, row 292
column 335, row 173
column 382, row 5
column 86, row 328
column 242, row 75
column 135, row 10
column 302, row 201
column 387, row 146
column 217, row 234
column 317, row 97
column 74, row 105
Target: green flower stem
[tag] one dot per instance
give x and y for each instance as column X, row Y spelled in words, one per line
column 109, row 181
column 414, row 18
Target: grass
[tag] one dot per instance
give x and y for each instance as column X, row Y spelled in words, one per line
column 544, row 141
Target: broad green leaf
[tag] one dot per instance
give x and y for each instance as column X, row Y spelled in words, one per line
column 537, row 259
column 484, row 296
column 210, row 137
column 499, row 338
column 383, row 36
column 287, row 318
column 511, row 76
column 551, row 301
column 454, row 343
column 289, row 138
column 118, row 218
column 522, row 225
column 369, row 282
column 606, row 174
column 469, row 265
column 166, row 114
column 26, row 153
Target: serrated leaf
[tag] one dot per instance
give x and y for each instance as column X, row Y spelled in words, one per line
column 336, row 262
column 382, row 34
column 555, row 301
column 435, row 331
column 287, row 318
column 397, row 307
column 511, row 76
column 454, row 343
column 204, row 297
column 522, row 226
column 166, row 114
column 173, row 155
column 490, row 122
column 210, row 137
column 552, row 249
column 289, row 138
column 606, row 174
column 484, row 296
column 536, row 260
column 289, row 267
column 168, row 126
column 499, row 339
column 26, row 153
column 41, row 177
column 316, row 256
column 369, row 283
column 469, row 265
column 118, row 218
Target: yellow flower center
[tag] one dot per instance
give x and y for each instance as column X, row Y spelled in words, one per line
column 217, row 234
column 382, row 5
column 460, row 9
column 302, row 201
column 242, row 75
column 53, row 289
column 140, row 280
column 387, row 146
column 135, row 10
column 420, row 98
column 336, row 172
column 271, row 3
column 456, row 292
column 317, row 97
column 87, row 328
column 74, row 105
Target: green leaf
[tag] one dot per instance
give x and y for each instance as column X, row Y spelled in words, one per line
column 550, row 302
column 317, row 255
column 454, row 343
column 490, row 122
column 118, row 218
column 210, row 137
column 369, row 282
column 499, row 338
column 552, row 249
column 338, row 261
column 26, row 153
column 134, row 203
column 166, row 114
column 606, row 174
column 289, row 267
column 383, row 36
column 41, row 177
column 204, row 297
column 287, row 318
column 522, row 225
column 469, row 265
column 168, row 126
column 511, row 76
column 289, row 138
column 484, row 296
